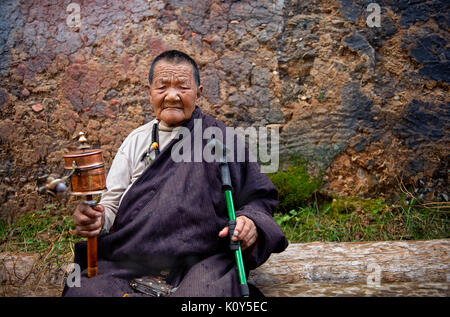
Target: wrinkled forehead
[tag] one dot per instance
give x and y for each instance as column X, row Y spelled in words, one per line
column 171, row 70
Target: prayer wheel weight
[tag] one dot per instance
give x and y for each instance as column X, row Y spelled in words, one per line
column 87, row 178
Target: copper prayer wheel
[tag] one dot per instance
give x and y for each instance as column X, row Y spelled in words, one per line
column 88, row 168
column 87, row 178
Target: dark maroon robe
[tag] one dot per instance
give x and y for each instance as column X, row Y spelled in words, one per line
column 170, row 219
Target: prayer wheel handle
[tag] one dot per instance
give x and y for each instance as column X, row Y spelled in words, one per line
column 91, row 244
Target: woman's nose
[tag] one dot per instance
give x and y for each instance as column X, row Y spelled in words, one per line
column 172, row 95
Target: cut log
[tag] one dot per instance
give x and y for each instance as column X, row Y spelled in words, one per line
column 390, row 268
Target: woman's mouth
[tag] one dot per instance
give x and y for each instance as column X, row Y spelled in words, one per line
column 173, row 107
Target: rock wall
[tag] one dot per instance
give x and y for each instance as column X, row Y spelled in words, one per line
column 369, row 106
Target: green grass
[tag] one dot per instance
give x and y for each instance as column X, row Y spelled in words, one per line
column 306, row 215
column 295, row 187
column 45, row 231
column 355, row 219
column 338, row 219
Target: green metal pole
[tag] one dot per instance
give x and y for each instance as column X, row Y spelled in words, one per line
column 238, row 252
column 227, row 187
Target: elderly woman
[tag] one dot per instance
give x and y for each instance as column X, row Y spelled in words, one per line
column 165, row 218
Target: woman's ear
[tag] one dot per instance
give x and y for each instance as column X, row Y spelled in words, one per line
column 199, row 91
column 150, row 94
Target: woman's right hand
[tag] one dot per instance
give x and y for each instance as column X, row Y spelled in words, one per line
column 88, row 220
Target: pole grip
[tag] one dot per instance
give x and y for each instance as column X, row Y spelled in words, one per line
column 226, row 177
column 234, row 245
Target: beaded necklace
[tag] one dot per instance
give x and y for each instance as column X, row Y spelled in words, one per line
column 154, row 145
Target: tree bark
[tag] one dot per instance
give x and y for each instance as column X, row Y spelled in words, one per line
column 388, row 268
